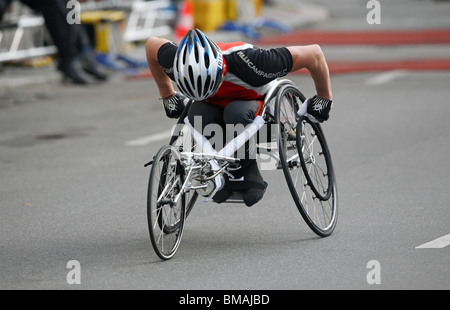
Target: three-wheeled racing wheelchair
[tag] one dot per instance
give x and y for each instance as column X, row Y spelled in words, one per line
column 189, row 167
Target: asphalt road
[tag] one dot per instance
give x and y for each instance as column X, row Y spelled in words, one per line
column 71, row 188
column 73, row 185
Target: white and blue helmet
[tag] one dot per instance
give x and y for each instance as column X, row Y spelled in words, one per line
column 198, row 66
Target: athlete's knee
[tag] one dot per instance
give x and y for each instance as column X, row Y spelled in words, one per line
column 240, row 112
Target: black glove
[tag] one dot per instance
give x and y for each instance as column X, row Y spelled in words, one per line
column 316, row 109
column 174, row 105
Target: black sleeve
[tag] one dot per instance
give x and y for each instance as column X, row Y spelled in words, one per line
column 257, row 66
column 166, row 56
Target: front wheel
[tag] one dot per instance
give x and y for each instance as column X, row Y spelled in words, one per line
column 165, row 204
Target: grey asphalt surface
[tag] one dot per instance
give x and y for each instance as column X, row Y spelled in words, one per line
column 72, row 189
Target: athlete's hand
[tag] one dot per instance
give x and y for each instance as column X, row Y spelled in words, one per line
column 316, row 109
column 174, row 105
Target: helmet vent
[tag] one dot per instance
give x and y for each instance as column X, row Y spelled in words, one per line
column 191, row 76
column 214, row 50
column 207, row 84
column 189, row 90
column 207, row 63
column 196, row 53
column 199, row 86
column 202, row 41
column 185, row 56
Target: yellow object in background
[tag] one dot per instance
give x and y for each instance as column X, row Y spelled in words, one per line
column 42, row 62
column 232, row 11
column 101, row 20
column 209, row 14
column 38, row 62
column 258, row 7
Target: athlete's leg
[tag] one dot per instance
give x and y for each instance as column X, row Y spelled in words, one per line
column 237, row 115
column 207, row 118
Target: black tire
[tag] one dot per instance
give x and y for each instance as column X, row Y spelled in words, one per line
column 319, row 215
column 165, row 219
column 182, row 140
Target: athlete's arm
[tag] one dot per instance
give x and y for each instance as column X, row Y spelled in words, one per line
column 312, row 58
column 163, row 82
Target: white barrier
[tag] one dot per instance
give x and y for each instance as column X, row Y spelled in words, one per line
column 148, row 19
column 23, row 36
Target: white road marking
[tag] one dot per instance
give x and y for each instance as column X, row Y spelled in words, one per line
column 164, row 135
column 386, row 77
column 438, row 243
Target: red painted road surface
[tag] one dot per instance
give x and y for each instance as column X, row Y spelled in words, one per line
column 375, row 38
column 388, row 37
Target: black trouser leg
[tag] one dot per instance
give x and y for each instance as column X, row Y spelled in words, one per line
column 71, row 40
column 207, row 118
column 64, row 35
column 237, row 114
column 227, row 122
column 243, row 113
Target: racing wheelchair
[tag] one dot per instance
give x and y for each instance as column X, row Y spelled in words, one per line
column 189, row 167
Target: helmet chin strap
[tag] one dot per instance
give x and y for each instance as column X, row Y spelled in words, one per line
column 224, row 72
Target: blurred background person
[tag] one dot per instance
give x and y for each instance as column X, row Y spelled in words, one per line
column 76, row 56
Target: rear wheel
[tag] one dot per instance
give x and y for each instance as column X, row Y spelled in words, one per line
column 318, row 175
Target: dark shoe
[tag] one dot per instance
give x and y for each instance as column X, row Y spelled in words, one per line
column 246, row 180
column 90, row 66
column 254, row 182
column 222, row 196
column 73, row 72
column 255, row 194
